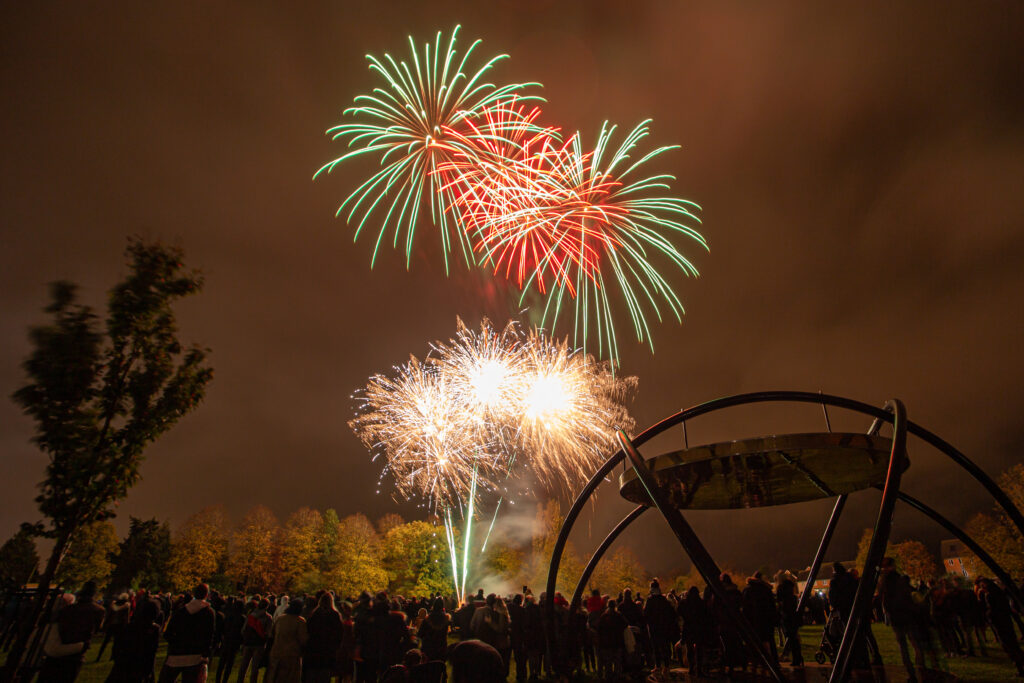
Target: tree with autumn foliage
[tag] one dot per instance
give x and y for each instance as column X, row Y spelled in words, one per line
column 356, row 562
column 388, row 522
column 914, row 560
column 254, row 554
column 620, row 570
column 546, row 525
column 94, row 550
column 995, row 531
column 415, row 557
column 99, row 395
column 301, row 549
column 862, row 550
column 199, row 548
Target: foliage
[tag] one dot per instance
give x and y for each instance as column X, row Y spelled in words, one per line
column 862, row 551
column 683, row 582
column 621, row 570
column 254, row 558
column 301, row 548
column 356, row 563
column 997, row 533
column 415, row 558
column 505, row 561
column 388, row 522
column 93, row 550
column 19, row 560
column 199, row 548
column 145, row 556
column 914, row 560
column 329, row 539
column 99, row 398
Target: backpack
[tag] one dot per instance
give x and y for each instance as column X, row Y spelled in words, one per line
column 254, row 629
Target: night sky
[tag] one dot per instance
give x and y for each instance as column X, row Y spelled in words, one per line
column 859, row 166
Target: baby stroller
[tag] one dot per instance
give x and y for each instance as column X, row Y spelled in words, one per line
column 831, row 636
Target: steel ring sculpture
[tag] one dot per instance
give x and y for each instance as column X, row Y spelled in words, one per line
column 773, row 471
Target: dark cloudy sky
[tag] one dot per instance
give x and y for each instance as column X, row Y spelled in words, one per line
column 860, row 168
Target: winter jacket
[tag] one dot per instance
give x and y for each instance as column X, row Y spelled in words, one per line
column 190, row 633
column 290, row 636
column 325, row 630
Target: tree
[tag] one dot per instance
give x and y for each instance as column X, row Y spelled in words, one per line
column 388, row 522
column 255, row 553
column 415, row 557
column 199, row 549
column 329, row 540
column 1000, row 539
column 99, row 397
column 915, row 561
column 19, row 560
column 862, row 550
column 505, row 561
column 145, row 556
column 620, row 571
column 683, row 582
column 91, row 557
column 301, row 549
column 997, row 533
column 356, row 563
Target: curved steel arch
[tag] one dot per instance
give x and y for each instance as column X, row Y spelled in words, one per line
column 881, row 415
column 1008, row 583
column 577, row 594
column 860, row 612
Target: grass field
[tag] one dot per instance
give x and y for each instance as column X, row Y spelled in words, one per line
column 994, row 668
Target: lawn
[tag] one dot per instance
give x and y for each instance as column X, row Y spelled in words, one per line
column 992, row 669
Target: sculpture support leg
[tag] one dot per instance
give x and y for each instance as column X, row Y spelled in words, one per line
column 603, row 548
column 819, row 556
column 826, row 537
column 698, row 554
column 876, row 549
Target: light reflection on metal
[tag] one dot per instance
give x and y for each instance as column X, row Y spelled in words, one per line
column 767, row 471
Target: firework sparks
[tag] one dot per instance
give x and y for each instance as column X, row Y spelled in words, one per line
column 586, row 222
column 412, row 420
column 567, row 404
column 427, row 113
column 485, row 400
column 453, row 426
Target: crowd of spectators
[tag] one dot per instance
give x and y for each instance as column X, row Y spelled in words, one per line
column 376, row 638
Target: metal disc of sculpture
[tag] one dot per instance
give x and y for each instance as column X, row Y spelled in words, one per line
column 765, row 471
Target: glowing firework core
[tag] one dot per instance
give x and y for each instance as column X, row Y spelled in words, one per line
column 489, row 380
column 484, row 401
column 548, row 398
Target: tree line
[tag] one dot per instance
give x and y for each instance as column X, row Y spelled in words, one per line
column 310, row 550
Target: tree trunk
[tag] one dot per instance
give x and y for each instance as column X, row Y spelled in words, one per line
column 11, row 672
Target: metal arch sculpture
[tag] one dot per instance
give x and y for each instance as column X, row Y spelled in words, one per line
column 893, row 413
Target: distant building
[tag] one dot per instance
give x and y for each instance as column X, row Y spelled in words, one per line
column 824, row 576
column 953, row 553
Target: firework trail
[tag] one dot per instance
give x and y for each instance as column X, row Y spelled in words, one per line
column 590, row 229
column 424, row 114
